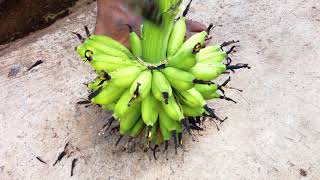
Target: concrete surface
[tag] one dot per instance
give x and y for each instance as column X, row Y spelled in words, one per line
column 272, row 133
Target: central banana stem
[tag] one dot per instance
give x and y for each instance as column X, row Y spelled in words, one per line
column 155, row 37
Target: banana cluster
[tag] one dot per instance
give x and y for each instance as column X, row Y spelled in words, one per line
column 155, row 96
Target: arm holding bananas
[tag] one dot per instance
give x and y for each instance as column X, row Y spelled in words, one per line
column 114, row 14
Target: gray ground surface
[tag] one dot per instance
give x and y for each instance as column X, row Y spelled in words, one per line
column 272, row 133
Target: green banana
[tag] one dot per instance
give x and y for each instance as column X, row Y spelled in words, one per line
column 170, row 124
column 153, row 132
column 109, row 107
column 109, row 94
column 102, row 62
column 173, row 109
column 208, row 91
column 124, row 77
column 141, row 87
column 111, row 43
column 191, row 97
column 81, row 51
column 165, row 132
column 192, row 111
column 135, row 43
column 124, row 105
column 137, row 128
column 98, row 47
column 150, row 110
column 161, row 88
column 207, row 71
column 94, row 85
column 179, row 79
column 183, row 59
column 177, row 36
column 214, row 57
column 210, row 49
column 128, row 121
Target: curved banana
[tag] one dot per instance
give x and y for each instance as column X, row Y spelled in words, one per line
column 168, row 123
column 183, row 59
column 109, row 93
column 150, row 110
column 81, row 51
column 137, row 128
column 173, row 109
column 101, row 48
column 141, row 87
column 177, row 36
column 179, row 79
column 135, row 43
column 214, row 57
column 208, row 91
column 94, row 85
column 165, row 132
column 192, row 111
column 210, row 49
column 128, row 121
column 161, row 88
column 124, row 77
column 192, row 98
column 111, row 43
column 124, row 105
column 102, row 62
column 207, row 71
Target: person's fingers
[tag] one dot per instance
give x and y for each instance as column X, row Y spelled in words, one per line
column 195, row 26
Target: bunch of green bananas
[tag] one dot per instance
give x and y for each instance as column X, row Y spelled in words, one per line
column 159, row 87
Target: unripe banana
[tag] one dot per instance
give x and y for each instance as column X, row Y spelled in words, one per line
column 179, row 79
column 193, row 41
column 153, row 132
column 124, row 77
column 109, row 107
column 124, row 105
column 97, row 47
column 214, row 57
column 111, row 43
column 184, row 59
column 150, row 110
column 192, row 98
column 210, row 49
column 137, row 128
column 135, row 43
column 109, row 94
column 94, row 85
column 141, row 87
column 161, row 88
column 129, row 119
column 206, row 88
column 213, row 95
column 173, row 109
column 207, row 71
column 169, row 123
column 208, row 91
column 177, row 36
column 81, row 51
column 102, row 62
column 165, row 132
column 192, row 111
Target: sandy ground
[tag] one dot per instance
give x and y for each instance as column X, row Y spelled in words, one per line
column 272, row 133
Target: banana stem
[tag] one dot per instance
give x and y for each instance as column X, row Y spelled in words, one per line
column 155, row 37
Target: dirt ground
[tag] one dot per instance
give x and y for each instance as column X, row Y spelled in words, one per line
column 272, row 133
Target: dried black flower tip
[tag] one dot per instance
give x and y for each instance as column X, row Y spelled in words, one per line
column 95, row 93
column 87, row 31
column 35, row 64
column 73, row 165
column 79, row 37
column 62, row 154
column 227, row 43
column 39, row 159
